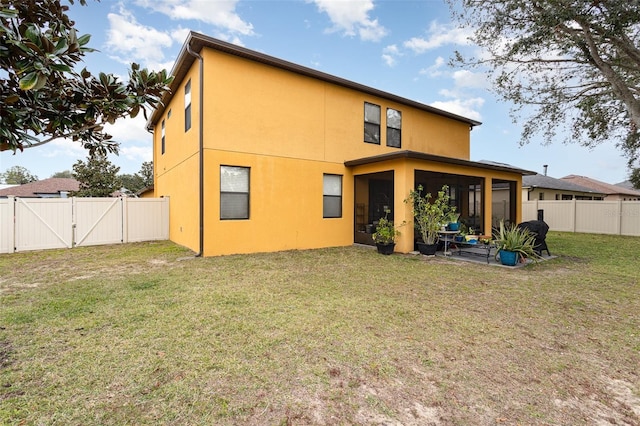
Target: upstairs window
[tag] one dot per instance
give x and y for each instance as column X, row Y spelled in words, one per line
column 332, row 196
column 234, row 192
column 162, row 138
column 394, row 128
column 371, row 123
column 187, row 106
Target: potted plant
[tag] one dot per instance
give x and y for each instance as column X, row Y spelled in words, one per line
column 452, row 219
column 429, row 216
column 513, row 243
column 385, row 235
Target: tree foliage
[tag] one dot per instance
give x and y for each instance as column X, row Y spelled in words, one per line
column 146, row 173
column 44, row 97
column 576, row 63
column 62, row 174
column 98, row 177
column 635, row 178
column 17, row 175
column 138, row 181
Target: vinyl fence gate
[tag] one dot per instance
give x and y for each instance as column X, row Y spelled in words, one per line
column 47, row 223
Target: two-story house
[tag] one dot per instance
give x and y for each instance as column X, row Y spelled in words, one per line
column 258, row 154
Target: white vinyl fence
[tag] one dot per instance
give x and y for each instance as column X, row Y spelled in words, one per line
column 597, row 217
column 46, row 223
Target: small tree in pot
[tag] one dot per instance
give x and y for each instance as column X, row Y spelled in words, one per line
column 429, row 216
column 385, row 235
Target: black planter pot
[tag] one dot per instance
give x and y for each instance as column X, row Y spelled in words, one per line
column 385, row 248
column 428, row 249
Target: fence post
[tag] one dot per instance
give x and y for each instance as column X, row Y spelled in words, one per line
column 574, row 215
column 619, row 218
column 74, row 216
column 125, row 217
column 10, row 226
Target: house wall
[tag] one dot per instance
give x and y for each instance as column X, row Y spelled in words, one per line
column 621, row 197
column 176, row 172
column 289, row 130
column 551, row 194
column 255, row 108
column 285, row 210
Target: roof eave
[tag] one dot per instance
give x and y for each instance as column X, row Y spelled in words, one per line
column 435, row 158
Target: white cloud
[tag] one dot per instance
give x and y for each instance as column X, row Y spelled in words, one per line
column 466, row 78
column 439, row 35
column 136, row 143
column 180, row 34
column 390, row 53
column 434, row 70
column 137, row 153
column 229, row 38
column 352, row 18
column 129, row 129
column 220, row 13
column 64, row 148
column 131, row 41
column 464, row 107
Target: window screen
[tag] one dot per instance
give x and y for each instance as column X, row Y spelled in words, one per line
column 371, row 123
column 394, row 128
column 187, row 106
column 234, row 192
column 162, row 138
column 332, row 196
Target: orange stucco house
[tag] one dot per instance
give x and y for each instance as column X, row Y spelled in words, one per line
column 258, row 154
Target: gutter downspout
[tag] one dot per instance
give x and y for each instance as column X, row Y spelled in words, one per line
column 201, row 147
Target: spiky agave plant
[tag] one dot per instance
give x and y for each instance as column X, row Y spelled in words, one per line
column 512, row 238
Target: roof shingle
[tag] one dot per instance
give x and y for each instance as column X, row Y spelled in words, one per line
column 603, row 187
column 50, row 187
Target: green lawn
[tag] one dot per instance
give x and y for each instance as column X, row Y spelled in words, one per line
column 147, row 334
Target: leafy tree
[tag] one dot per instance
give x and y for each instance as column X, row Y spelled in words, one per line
column 132, row 182
column 62, row 174
column 140, row 180
column 43, row 97
column 635, row 178
column 576, row 63
column 17, row 175
column 146, row 173
column 98, row 177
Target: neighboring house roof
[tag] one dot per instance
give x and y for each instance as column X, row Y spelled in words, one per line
column 196, row 42
column 547, row 182
column 489, row 165
column 603, row 187
column 42, row 188
column 144, row 190
column 627, row 185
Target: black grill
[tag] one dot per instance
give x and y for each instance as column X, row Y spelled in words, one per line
column 538, row 228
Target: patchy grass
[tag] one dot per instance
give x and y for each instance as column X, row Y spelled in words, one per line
column 147, row 334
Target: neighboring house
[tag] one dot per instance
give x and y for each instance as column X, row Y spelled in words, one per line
column 611, row 192
column 627, row 185
column 146, row 192
column 543, row 187
column 258, row 154
column 46, row 188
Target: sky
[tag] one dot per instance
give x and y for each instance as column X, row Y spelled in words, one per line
column 398, row 46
